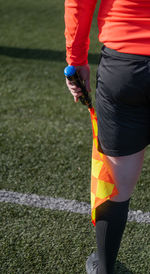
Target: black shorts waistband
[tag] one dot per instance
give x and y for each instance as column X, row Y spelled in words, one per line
column 116, row 53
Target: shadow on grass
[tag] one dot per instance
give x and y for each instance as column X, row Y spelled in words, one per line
column 120, row 268
column 41, row 54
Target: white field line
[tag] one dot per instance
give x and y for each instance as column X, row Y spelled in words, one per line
column 62, row 204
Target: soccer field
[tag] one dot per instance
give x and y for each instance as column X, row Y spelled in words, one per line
column 45, row 153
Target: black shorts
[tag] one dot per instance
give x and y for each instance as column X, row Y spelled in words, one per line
column 123, row 102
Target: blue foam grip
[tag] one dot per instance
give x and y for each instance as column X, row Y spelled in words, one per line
column 69, row 71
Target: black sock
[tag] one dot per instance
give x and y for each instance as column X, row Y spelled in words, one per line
column 111, row 218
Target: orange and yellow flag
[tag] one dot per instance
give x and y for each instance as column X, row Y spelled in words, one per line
column 102, row 185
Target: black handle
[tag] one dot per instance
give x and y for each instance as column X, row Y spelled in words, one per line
column 72, row 75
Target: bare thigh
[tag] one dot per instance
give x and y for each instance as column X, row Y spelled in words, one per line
column 125, row 171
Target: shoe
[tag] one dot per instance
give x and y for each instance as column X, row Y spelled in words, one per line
column 92, row 264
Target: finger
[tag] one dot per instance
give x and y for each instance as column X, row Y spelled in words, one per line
column 73, row 88
column 77, row 89
column 70, row 83
column 76, row 99
column 77, row 94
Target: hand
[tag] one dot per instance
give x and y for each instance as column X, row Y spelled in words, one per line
column 84, row 74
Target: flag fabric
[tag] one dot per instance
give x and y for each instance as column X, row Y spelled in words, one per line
column 102, row 185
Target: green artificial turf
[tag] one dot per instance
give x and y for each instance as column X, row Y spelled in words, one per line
column 43, row 241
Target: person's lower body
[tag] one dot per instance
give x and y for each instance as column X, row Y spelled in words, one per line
column 123, row 112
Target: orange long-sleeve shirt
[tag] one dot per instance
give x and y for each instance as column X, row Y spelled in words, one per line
column 124, row 25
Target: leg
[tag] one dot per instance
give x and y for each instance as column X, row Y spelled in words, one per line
column 112, row 215
column 125, row 171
